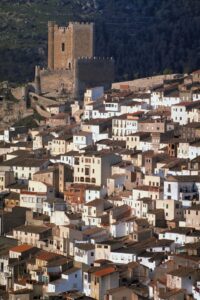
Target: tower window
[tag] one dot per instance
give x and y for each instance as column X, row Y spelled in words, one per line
column 63, row 47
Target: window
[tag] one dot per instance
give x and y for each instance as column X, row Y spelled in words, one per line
column 87, row 171
column 1, row 267
column 63, row 47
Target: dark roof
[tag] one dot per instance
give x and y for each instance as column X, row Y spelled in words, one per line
column 183, row 178
column 182, row 272
column 24, row 162
column 32, row 228
column 85, row 246
column 13, row 196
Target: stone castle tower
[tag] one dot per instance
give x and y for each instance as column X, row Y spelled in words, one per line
column 71, row 62
column 65, row 44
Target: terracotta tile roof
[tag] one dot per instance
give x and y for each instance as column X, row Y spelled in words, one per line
column 105, row 272
column 21, row 248
column 47, row 256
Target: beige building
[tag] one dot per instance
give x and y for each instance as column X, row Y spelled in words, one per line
column 124, row 125
column 103, row 280
column 23, row 167
column 133, row 140
column 172, row 209
column 154, row 126
column 182, row 278
column 121, row 293
column 94, row 168
column 192, row 217
column 6, row 178
column 30, row 234
column 60, row 145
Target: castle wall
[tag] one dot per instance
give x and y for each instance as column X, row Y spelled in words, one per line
column 51, row 45
column 92, row 72
column 40, row 100
column 143, row 83
column 83, row 40
column 52, row 81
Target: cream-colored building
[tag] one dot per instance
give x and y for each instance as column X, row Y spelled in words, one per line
column 192, row 217
column 60, row 145
column 24, row 167
column 30, row 234
column 94, row 168
column 6, row 178
column 133, row 141
column 124, row 125
column 173, row 209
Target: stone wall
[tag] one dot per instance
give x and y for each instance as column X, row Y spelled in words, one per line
column 93, row 72
column 143, row 83
column 40, row 100
column 52, row 81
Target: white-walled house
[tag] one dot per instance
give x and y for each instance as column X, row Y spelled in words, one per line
column 180, row 236
column 182, row 278
column 70, row 280
column 82, row 140
column 52, row 205
column 68, row 158
column 122, row 227
column 24, row 167
column 84, row 253
column 97, row 128
column 123, row 256
column 184, row 188
column 194, row 150
column 33, row 200
column 183, row 150
column 185, row 112
column 94, row 192
column 36, row 194
column 124, row 125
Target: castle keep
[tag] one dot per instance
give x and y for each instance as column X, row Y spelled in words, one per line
column 65, row 44
column 72, row 66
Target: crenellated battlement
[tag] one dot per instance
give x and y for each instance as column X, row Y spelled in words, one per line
column 82, row 23
column 95, row 58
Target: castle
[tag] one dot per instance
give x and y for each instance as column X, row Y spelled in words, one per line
column 72, row 66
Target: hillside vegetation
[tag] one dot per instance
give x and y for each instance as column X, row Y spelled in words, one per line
column 144, row 36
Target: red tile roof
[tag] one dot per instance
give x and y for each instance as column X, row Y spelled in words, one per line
column 21, row 248
column 47, row 256
column 105, row 272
